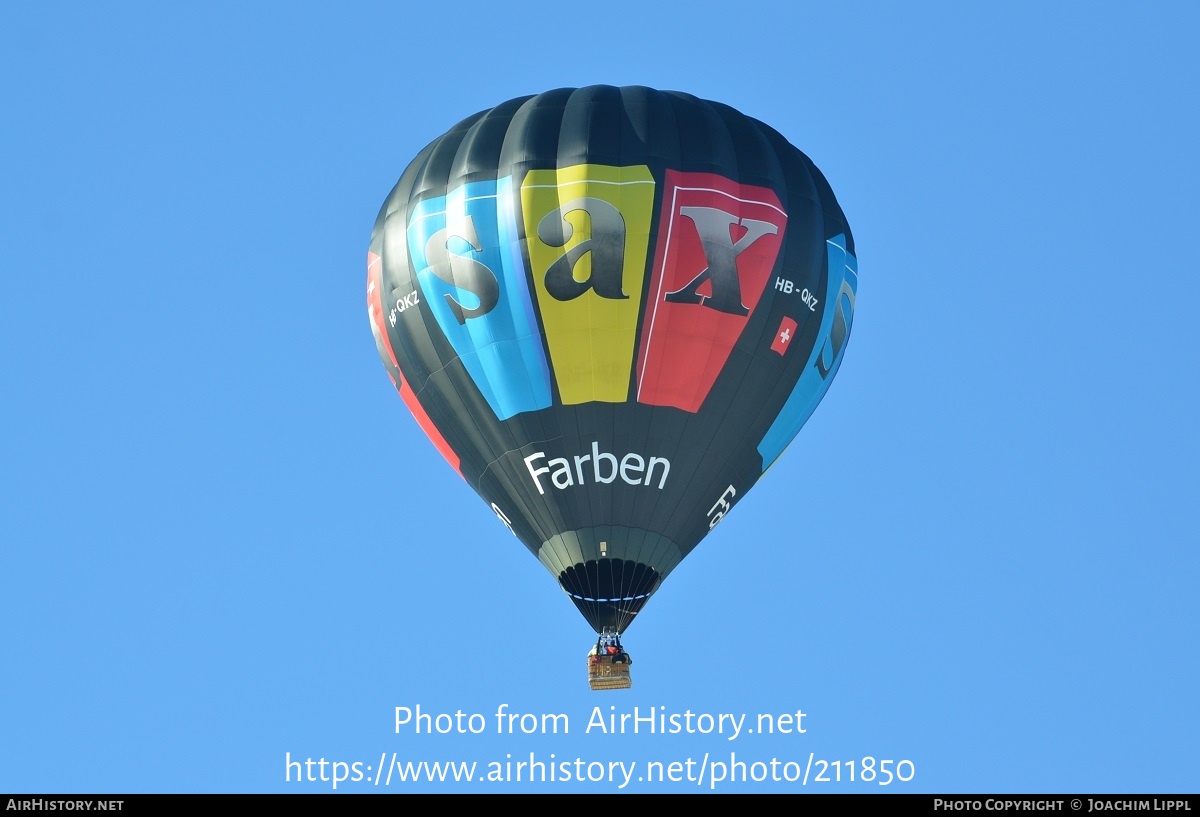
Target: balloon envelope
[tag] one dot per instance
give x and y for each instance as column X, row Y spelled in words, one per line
column 611, row 309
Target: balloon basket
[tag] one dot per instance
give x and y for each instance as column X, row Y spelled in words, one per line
column 604, row 674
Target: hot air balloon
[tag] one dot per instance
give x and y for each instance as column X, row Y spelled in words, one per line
column 611, row 309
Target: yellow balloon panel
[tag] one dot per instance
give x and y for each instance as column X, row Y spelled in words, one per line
column 587, row 229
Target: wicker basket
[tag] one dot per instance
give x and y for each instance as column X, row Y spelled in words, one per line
column 604, row 674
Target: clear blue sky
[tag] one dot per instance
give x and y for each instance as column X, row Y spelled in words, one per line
column 220, row 526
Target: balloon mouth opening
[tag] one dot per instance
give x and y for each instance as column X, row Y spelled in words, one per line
column 604, row 580
column 610, row 592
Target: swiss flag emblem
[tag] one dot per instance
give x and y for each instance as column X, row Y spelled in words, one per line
column 784, row 335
